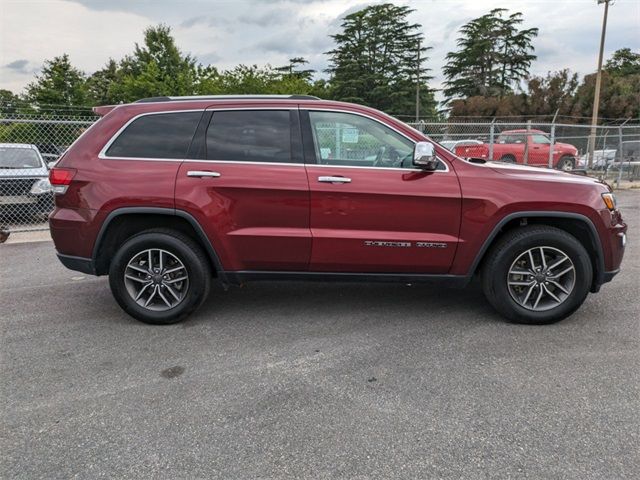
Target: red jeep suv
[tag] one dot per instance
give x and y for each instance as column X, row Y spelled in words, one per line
column 166, row 193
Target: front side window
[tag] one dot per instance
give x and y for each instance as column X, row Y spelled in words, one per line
column 353, row 140
column 250, row 136
column 163, row 135
column 510, row 139
column 540, row 139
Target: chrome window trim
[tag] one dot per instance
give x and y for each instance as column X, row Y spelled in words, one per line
column 102, row 155
column 240, row 162
column 336, row 110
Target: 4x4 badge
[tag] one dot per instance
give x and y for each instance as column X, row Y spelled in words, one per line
column 431, row 245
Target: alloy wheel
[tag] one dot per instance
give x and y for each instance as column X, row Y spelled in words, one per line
column 541, row 278
column 156, row 279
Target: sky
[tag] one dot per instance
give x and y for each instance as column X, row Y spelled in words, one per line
column 228, row 32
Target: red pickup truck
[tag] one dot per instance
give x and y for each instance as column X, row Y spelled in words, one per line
column 510, row 147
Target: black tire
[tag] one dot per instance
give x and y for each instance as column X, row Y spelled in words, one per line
column 182, row 248
column 508, row 159
column 566, row 163
column 509, row 248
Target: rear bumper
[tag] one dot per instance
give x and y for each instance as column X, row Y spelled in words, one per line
column 79, row 264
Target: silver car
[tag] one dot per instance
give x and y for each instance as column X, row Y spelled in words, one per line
column 25, row 190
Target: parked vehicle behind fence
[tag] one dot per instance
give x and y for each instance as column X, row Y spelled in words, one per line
column 25, row 190
column 513, row 146
column 166, row 193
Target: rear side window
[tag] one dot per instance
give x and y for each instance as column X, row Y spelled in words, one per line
column 250, row 136
column 163, row 135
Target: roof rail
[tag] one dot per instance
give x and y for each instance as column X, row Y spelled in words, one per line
column 226, row 97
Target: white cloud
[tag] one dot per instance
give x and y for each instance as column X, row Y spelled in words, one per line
column 39, row 30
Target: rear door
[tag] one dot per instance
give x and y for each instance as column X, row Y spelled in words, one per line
column 371, row 211
column 245, row 182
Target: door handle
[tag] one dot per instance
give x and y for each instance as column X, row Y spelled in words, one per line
column 334, row 179
column 202, row 173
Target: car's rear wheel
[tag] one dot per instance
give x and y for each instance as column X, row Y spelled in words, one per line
column 537, row 275
column 566, row 163
column 508, row 159
column 159, row 276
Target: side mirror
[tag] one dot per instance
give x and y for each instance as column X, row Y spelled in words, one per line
column 424, row 156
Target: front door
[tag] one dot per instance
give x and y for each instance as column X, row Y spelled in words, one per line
column 539, row 145
column 371, row 211
column 245, row 182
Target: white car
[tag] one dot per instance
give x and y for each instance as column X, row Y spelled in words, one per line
column 601, row 158
column 24, row 181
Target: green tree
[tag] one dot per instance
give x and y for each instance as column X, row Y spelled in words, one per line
column 619, row 96
column 251, row 79
column 101, row 84
column 493, row 56
column 542, row 96
column 623, row 62
column 555, row 92
column 294, row 70
column 9, row 102
column 156, row 68
column 375, row 61
column 60, row 88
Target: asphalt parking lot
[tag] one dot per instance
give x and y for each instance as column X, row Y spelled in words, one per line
column 304, row 380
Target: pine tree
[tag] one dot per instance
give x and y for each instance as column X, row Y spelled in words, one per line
column 493, row 56
column 375, row 61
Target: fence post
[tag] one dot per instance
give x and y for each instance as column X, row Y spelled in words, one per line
column 526, row 143
column 492, row 132
column 552, row 146
column 620, row 159
column 553, row 139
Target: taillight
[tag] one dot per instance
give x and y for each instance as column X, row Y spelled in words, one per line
column 60, row 179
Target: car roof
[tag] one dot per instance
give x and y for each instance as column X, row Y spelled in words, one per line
column 212, row 101
column 188, row 98
column 522, row 130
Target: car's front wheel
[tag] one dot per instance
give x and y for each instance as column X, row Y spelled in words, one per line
column 537, row 275
column 159, row 276
column 566, row 163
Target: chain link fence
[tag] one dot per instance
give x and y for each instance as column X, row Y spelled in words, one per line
column 616, row 155
column 30, row 144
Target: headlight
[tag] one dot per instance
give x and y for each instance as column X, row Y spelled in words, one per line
column 609, row 200
column 41, row 186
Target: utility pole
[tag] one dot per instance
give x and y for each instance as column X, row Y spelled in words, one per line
column 418, row 85
column 596, row 96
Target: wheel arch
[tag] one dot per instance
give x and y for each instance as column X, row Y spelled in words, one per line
column 125, row 222
column 580, row 226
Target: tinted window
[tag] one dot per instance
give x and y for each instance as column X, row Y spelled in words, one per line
column 347, row 139
column 250, row 136
column 165, row 135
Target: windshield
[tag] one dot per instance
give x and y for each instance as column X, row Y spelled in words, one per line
column 18, row 158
